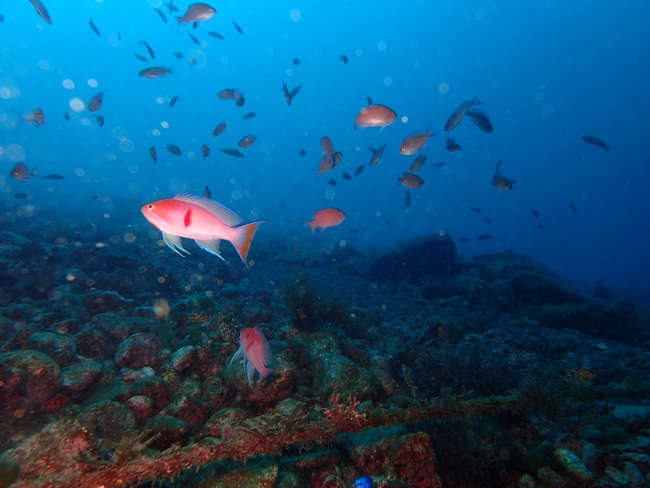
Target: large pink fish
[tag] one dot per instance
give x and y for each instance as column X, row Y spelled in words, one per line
column 203, row 220
column 196, row 12
column 256, row 353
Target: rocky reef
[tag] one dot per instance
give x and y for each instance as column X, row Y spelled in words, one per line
column 417, row 368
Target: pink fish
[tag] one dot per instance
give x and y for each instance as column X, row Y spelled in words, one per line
column 203, row 220
column 256, row 352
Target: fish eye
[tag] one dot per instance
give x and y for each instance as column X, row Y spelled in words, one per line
column 149, row 207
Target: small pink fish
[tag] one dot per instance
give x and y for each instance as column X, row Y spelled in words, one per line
column 203, row 220
column 256, row 352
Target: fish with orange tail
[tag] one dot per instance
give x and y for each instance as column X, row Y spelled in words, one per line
column 205, row 221
column 327, row 217
column 37, row 117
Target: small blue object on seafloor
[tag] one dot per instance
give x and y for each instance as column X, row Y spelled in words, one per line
column 364, row 482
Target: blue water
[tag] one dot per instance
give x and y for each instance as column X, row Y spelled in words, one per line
column 548, row 72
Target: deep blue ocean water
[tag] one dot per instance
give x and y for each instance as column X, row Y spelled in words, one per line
column 547, row 72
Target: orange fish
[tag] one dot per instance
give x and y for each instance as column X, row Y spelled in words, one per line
column 409, row 180
column 327, row 146
column 196, row 12
column 203, row 220
column 22, row 172
column 324, row 165
column 375, row 116
column 247, row 141
column 327, row 217
column 255, row 350
column 37, row 117
column 415, row 142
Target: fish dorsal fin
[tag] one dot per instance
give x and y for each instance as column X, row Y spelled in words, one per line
column 228, row 216
column 268, row 355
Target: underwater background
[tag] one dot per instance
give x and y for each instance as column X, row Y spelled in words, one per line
column 425, row 309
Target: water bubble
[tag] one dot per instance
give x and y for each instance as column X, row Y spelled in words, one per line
column 199, row 56
column 114, row 41
column 547, row 111
column 133, row 169
column 15, row 152
column 9, row 88
column 160, row 100
column 289, row 72
column 68, row 84
column 21, row 70
column 129, row 237
column 330, row 194
column 539, row 97
column 86, row 121
column 233, row 181
column 156, row 3
column 359, row 52
column 382, row 45
column 120, row 133
column 77, row 104
column 43, row 64
column 111, row 157
column 443, row 88
column 405, row 119
column 191, row 155
column 388, row 81
column 225, row 59
column 236, row 195
column 268, row 52
column 416, row 65
column 480, row 15
column 26, row 211
column 127, row 145
column 295, row 15
column 2, row 150
column 79, row 172
column 164, row 124
column 155, row 132
column 92, row 82
column 429, row 208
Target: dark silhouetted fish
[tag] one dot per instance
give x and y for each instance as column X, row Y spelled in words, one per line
column 171, row 6
column 94, row 27
column 155, row 72
column 100, row 120
column 595, row 142
column 296, row 61
column 173, row 101
column 475, row 209
column 66, row 115
column 220, row 128
column 409, row 180
column 141, row 57
column 485, row 237
column 216, row 34
column 152, row 153
column 540, row 227
column 439, row 164
column 303, row 152
column 463, row 239
column 295, row 91
column 247, row 141
column 229, row 94
column 331, row 182
column 178, row 55
column 460, row 112
column 21, row 196
column 238, row 28
column 232, row 152
column 194, row 39
column 196, row 12
column 249, row 115
column 451, row 145
column 287, row 94
column 418, row 163
column 145, row 44
column 175, row 150
column 346, row 176
column 36, row 117
column 573, row 207
column 480, row 119
column 195, row 25
column 535, row 213
column 344, row 58
column 205, row 150
column 41, row 10
column 407, row 202
column 162, row 15
column 487, row 219
column 95, row 102
column 240, row 101
column 377, row 153
column 500, row 181
column 207, row 193
column 369, row 99
column 359, row 170
column 192, row 62
column 53, row 177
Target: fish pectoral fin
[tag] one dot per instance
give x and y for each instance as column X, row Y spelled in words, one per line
column 210, row 246
column 174, row 243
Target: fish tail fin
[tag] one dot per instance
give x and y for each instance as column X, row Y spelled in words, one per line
column 179, row 21
column 476, row 101
column 242, row 242
column 312, row 227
